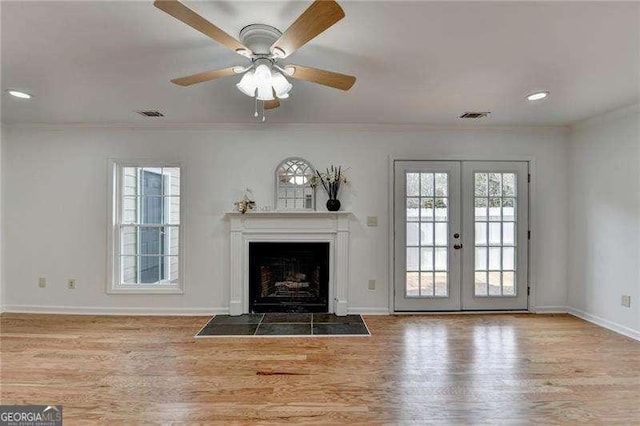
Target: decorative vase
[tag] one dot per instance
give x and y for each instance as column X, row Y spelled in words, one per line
column 333, row 205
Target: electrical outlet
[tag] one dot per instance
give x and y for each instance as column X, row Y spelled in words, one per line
column 372, row 284
column 626, row 301
column 71, row 284
column 372, row 220
column 42, row 282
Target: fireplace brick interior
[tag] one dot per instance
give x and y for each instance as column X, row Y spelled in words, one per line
column 289, row 277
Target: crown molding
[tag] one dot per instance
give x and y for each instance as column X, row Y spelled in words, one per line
column 633, row 109
column 233, row 127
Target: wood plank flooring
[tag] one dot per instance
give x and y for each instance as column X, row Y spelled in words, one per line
column 448, row 369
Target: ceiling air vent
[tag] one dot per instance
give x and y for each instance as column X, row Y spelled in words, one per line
column 150, row 113
column 474, row 115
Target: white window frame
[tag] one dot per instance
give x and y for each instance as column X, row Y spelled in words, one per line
column 115, row 192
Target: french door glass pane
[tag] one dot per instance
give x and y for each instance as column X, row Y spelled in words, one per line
column 427, row 237
column 495, row 217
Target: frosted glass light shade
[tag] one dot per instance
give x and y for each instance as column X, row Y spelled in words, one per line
column 247, row 84
column 280, row 85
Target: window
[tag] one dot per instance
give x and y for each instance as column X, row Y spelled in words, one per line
column 145, row 234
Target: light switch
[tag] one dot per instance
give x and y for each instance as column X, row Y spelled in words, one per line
column 372, row 284
column 372, row 220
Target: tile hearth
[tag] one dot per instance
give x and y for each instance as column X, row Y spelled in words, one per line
column 284, row 324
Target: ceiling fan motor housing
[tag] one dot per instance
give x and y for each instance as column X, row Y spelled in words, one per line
column 259, row 38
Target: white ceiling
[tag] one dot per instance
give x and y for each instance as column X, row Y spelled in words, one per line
column 416, row 62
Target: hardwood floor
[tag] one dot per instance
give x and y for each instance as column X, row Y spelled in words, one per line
column 460, row 369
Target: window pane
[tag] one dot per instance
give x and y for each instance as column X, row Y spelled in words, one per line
column 441, row 209
column 152, row 240
column 494, row 233
column 427, row 259
column 151, row 269
column 172, row 178
column 441, row 259
column 129, row 269
column 172, row 240
column 441, row 233
column 129, row 240
column 151, row 210
column 481, row 208
column 508, row 283
column 441, row 288
column 152, row 182
column 412, row 259
column 508, row 233
column 442, row 184
column 508, row 259
column 495, row 184
column 427, row 209
column 412, row 234
column 426, row 234
column 426, row 185
column 481, row 233
column 129, row 181
column 481, row 259
column 494, row 209
column 494, row 258
column 480, row 284
column 509, row 184
column 509, row 209
column 413, row 184
column 494, row 284
column 413, row 209
column 130, row 209
column 426, row 284
column 481, row 185
column 413, row 284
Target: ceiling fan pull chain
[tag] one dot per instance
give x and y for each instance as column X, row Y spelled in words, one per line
column 255, row 113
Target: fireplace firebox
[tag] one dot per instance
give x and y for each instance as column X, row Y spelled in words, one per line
column 288, row 277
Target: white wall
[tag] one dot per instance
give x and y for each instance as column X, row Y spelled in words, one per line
column 56, row 198
column 604, row 240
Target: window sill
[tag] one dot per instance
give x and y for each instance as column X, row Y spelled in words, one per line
column 145, row 290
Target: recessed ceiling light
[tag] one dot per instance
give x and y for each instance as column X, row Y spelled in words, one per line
column 537, row 96
column 19, row 94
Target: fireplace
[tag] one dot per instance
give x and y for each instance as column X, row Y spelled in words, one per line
column 288, row 277
column 328, row 228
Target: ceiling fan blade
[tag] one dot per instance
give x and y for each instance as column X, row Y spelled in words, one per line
column 191, row 18
column 324, row 77
column 318, row 17
column 202, row 77
column 271, row 104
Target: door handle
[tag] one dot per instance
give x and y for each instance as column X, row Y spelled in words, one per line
column 457, row 246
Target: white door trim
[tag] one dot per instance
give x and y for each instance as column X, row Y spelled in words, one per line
column 533, row 216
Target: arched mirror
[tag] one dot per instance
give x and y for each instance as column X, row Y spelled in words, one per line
column 293, row 185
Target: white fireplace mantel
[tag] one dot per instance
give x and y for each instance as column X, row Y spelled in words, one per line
column 331, row 227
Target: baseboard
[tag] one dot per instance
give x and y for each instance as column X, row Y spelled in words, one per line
column 549, row 309
column 74, row 310
column 368, row 311
column 613, row 326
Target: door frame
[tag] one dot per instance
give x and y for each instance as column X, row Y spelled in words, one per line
column 532, row 207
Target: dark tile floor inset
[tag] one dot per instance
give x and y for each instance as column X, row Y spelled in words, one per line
column 287, row 318
column 284, row 324
column 240, row 319
column 334, row 329
column 334, row 319
column 279, row 329
column 229, row 330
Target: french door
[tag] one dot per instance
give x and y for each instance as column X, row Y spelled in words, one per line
column 460, row 235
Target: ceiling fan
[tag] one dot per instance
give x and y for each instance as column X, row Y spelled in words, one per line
column 265, row 78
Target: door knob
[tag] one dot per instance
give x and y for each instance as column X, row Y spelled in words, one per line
column 457, row 246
